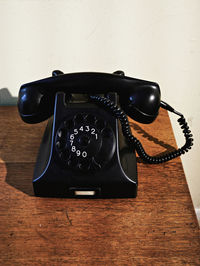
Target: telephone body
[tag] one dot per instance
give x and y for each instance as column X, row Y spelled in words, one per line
column 85, row 152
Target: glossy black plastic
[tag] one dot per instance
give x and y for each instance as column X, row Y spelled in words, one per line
column 139, row 99
column 54, row 177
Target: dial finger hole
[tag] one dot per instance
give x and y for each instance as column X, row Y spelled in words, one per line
column 100, row 124
column 91, row 119
column 84, row 165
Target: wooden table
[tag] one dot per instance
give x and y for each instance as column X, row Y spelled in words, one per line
column 159, row 227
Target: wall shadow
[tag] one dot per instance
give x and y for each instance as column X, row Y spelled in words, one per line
column 6, row 98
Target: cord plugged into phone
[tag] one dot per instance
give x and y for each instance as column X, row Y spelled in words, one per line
column 84, row 153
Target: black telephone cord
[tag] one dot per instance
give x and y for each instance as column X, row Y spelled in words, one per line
column 119, row 114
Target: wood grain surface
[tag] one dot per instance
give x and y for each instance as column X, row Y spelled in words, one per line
column 159, row 227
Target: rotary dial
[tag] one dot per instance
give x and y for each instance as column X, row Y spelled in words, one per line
column 85, row 142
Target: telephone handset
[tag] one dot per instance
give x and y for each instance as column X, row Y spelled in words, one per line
column 139, row 99
column 84, row 153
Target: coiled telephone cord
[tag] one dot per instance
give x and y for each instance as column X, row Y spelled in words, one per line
column 119, row 114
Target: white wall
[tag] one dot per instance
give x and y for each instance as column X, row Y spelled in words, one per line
column 154, row 40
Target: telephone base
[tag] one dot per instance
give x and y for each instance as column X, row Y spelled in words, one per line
column 116, row 179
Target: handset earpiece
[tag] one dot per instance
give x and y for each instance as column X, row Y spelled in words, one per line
column 35, row 105
column 140, row 99
column 142, row 104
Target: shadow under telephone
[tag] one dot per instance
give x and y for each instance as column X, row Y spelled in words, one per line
column 84, row 151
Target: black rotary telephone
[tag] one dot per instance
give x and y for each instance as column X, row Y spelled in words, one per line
column 84, row 151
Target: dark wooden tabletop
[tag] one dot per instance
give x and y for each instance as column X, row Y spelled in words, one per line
column 159, row 227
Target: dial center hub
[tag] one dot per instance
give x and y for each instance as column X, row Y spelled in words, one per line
column 84, row 140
